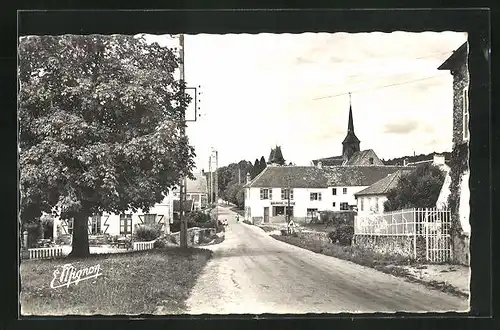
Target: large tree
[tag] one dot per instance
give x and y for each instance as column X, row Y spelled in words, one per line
column 419, row 189
column 100, row 120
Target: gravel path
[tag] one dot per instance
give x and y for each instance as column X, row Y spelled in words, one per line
column 252, row 273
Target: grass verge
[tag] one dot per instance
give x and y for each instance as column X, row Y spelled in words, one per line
column 380, row 262
column 132, row 283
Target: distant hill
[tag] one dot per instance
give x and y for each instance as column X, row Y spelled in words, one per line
column 416, row 158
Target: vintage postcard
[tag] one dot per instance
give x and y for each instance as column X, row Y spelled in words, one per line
column 244, row 174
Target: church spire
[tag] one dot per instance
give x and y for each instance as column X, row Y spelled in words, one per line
column 350, row 125
column 350, row 145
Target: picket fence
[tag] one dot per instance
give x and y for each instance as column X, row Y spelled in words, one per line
column 141, row 246
column 430, row 223
column 45, row 253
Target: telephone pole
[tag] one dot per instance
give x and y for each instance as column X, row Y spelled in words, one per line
column 216, row 187
column 183, row 233
column 210, row 188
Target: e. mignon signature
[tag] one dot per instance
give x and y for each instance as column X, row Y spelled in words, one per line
column 68, row 274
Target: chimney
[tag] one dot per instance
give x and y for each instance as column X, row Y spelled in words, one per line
column 438, row 159
column 248, row 177
column 320, row 165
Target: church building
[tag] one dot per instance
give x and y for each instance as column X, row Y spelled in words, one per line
column 329, row 184
column 351, row 152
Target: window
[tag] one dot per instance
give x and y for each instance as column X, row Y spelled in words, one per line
column 334, row 204
column 371, row 160
column 95, row 225
column 361, row 203
column 376, row 204
column 334, row 191
column 284, row 194
column 344, row 191
column 149, row 219
column 344, row 206
column 466, row 114
column 70, row 226
column 125, row 224
column 266, row 193
column 311, row 213
column 315, row 196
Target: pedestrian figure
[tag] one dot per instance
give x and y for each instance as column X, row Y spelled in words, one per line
column 237, row 217
column 291, row 227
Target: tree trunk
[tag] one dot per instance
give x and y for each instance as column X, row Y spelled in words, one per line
column 80, row 244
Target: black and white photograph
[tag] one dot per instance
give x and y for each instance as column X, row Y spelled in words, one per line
column 269, row 173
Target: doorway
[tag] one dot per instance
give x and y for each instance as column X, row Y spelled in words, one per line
column 266, row 214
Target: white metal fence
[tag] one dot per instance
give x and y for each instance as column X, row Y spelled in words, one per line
column 45, row 253
column 430, row 223
column 140, row 246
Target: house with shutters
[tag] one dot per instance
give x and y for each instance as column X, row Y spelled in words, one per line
column 160, row 214
column 303, row 191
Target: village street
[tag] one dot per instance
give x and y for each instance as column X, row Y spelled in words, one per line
column 252, row 273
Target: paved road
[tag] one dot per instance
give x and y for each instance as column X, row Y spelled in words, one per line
column 252, row 273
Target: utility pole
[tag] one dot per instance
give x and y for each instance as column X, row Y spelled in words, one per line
column 217, row 187
column 288, row 207
column 210, row 183
column 239, row 174
column 183, row 233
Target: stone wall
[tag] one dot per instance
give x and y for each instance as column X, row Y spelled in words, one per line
column 319, row 237
column 460, row 81
column 401, row 246
column 195, row 235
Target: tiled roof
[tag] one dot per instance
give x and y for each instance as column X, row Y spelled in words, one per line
column 362, row 158
column 188, row 205
column 356, row 175
column 295, row 176
column 199, row 185
column 314, row 177
column 329, row 161
column 382, row 186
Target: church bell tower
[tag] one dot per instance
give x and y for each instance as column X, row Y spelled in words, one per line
column 350, row 145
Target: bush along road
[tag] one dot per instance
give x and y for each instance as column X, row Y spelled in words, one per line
column 252, row 273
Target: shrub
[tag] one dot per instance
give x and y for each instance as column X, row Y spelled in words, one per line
column 343, row 235
column 160, row 244
column 146, row 233
column 199, row 217
column 35, row 232
column 247, row 222
column 284, row 232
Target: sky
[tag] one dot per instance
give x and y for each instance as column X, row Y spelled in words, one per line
column 259, row 91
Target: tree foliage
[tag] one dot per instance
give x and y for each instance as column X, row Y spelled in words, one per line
column 99, row 124
column 418, row 189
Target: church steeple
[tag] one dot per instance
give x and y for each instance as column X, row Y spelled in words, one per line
column 350, row 145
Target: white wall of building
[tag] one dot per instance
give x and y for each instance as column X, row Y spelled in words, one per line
column 110, row 223
column 301, row 200
column 371, row 204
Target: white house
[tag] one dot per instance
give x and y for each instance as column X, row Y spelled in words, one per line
column 302, row 191
column 122, row 224
column 371, row 199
